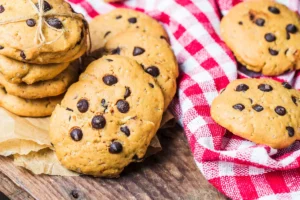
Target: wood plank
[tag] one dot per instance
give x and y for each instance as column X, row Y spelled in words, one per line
column 170, row 174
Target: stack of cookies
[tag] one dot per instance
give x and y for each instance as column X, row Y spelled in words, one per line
column 108, row 118
column 39, row 40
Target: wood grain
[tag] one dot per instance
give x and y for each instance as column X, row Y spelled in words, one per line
column 170, row 174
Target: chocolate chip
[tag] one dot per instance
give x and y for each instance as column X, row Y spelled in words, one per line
column 22, row 54
column 119, row 17
column 30, row 22
column 240, row 23
column 273, row 10
column 291, row 28
column 265, row 87
column 103, row 104
column 288, row 36
column 82, row 105
column 290, row 130
column 69, row 109
column 115, row 147
column 251, row 16
column 273, row 52
column 47, row 6
column 163, row 37
column 110, row 80
column 98, row 122
column 76, row 134
column 107, row 33
column 286, row 85
column 294, row 99
column 251, row 101
column 153, row 71
column 54, row 22
column 151, row 85
column 136, row 158
column 138, row 51
column 280, row 110
column 123, row 106
column 125, row 130
column 270, row 37
column 74, row 194
column 127, row 92
column 260, row 22
column 116, row 51
column 109, row 60
column 242, row 88
column 239, row 107
column 1, row 47
column 2, row 9
column 132, row 20
column 258, row 108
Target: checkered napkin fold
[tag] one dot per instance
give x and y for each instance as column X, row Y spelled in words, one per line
column 238, row 168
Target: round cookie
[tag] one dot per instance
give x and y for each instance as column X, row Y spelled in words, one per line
column 264, row 36
column 64, row 32
column 105, row 27
column 155, row 56
column 107, row 119
column 43, row 89
column 28, row 107
column 261, row 110
column 19, row 72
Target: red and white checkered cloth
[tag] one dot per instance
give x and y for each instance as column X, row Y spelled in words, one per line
column 236, row 167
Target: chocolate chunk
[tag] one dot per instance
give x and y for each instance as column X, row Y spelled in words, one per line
column 242, row 88
column 280, row 110
column 239, row 107
column 76, row 134
column 30, row 22
column 273, row 10
column 22, row 54
column 119, row 17
column 258, row 108
column 47, row 6
column 1, row 47
column 98, row 122
column 291, row 28
column 82, row 105
column 2, row 9
column 123, row 106
column 265, row 87
column 290, row 130
column 116, row 51
column 127, row 92
column 270, row 37
column 110, row 80
column 240, row 23
column 260, row 22
column 273, row 52
column 153, row 71
column 115, row 147
column 107, row 33
column 109, row 60
column 151, row 85
column 294, row 99
column 54, row 22
column 138, row 51
column 69, row 109
column 132, row 20
column 286, row 85
column 125, row 130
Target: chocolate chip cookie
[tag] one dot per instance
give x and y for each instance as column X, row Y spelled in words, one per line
column 53, row 87
column 28, row 107
column 261, row 110
column 108, row 118
column 59, row 37
column 105, row 27
column 154, row 55
column 19, row 72
column 264, row 36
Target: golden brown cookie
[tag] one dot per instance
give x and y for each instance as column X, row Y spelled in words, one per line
column 62, row 37
column 261, row 110
column 43, row 89
column 105, row 27
column 155, row 56
column 264, row 36
column 107, row 119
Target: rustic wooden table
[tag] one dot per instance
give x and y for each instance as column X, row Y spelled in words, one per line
column 170, row 174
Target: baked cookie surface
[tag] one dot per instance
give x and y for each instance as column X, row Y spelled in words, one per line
column 105, row 27
column 155, row 56
column 108, row 118
column 261, row 110
column 264, row 36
